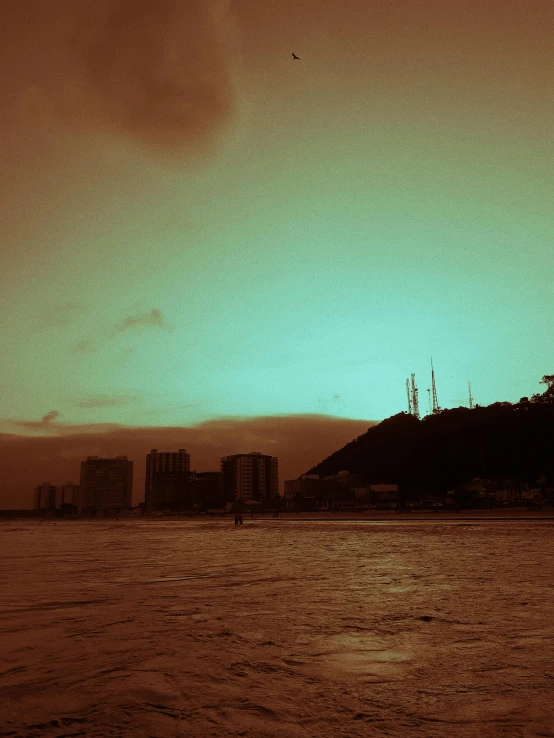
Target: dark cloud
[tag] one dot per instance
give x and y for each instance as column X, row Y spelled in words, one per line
column 45, row 424
column 101, row 402
column 156, row 71
column 299, row 441
column 151, row 319
column 49, row 417
column 58, row 316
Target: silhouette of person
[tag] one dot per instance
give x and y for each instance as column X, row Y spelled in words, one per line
column 236, row 519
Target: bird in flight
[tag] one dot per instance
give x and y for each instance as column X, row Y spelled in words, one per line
column 295, row 57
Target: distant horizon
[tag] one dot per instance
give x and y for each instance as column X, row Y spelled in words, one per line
column 325, row 434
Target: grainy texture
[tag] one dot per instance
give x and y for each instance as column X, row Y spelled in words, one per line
column 277, row 628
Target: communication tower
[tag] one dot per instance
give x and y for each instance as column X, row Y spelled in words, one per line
column 436, row 408
column 429, row 398
column 409, row 396
column 470, row 396
column 415, row 402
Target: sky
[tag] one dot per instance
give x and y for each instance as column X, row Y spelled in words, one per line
column 197, row 228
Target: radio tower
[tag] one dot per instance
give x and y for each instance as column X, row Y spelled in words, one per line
column 470, row 396
column 409, row 396
column 415, row 402
column 436, row 408
column 429, row 398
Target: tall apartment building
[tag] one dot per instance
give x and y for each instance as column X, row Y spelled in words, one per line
column 251, row 477
column 45, row 496
column 168, row 480
column 106, row 483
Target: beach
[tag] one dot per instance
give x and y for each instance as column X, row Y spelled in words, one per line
column 280, row 627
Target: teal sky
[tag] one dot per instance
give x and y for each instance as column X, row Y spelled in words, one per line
column 326, row 226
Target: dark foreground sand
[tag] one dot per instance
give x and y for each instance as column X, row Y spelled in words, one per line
column 429, row 627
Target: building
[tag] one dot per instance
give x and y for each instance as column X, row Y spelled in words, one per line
column 45, row 497
column 48, row 497
column 209, row 490
column 309, row 493
column 172, row 490
column 250, row 478
column 384, row 496
column 168, row 483
column 106, row 484
column 68, row 494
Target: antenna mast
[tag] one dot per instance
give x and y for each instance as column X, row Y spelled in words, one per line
column 436, row 408
column 429, row 398
column 470, row 396
column 415, row 402
column 409, row 396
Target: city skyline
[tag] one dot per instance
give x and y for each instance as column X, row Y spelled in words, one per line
column 106, row 483
column 27, row 460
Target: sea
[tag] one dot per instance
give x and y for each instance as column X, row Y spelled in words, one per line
column 278, row 628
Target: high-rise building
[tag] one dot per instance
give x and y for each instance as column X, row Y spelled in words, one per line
column 45, row 496
column 168, row 480
column 106, row 483
column 68, row 494
column 250, row 477
column 209, row 491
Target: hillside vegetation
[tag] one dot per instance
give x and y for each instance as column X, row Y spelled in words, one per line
column 502, row 440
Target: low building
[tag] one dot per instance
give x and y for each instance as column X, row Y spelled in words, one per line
column 384, row 496
column 310, row 492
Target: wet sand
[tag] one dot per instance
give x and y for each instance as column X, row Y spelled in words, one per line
column 282, row 627
column 502, row 514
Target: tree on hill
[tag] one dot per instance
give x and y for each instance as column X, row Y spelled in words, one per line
column 548, row 394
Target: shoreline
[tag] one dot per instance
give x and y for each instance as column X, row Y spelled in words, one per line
column 373, row 516
column 384, row 516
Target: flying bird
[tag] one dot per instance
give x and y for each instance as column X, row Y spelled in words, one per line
column 295, row 57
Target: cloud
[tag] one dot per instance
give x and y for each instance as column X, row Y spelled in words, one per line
column 58, row 316
column 299, row 441
column 44, row 425
column 102, row 402
column 155, row 71
column 151, row 319
column 49, row 417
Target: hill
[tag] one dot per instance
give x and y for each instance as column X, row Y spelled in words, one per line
column 441, row 451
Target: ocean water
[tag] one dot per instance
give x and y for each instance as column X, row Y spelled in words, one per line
column 277, row 628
